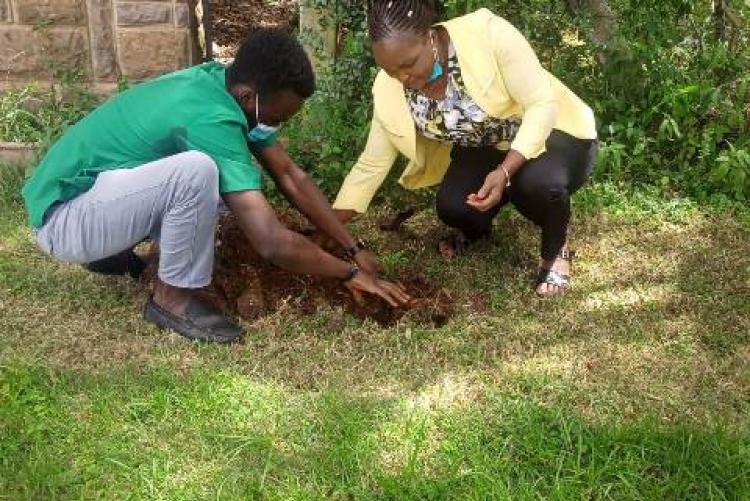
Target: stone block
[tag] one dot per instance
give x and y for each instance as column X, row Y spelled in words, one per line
column 143, row 13
column 146, row 53
column 26, row 52
column 4, row 11
column 181, row 15
column 16, row 153
column 102, row 36
column 39, row 12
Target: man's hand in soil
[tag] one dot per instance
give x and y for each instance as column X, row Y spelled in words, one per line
column 293, row 252
column 393, row 294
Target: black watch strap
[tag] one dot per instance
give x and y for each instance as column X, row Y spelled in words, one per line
column 355, row 249
column 352, row 273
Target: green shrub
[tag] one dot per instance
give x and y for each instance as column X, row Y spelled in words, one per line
column 33, row 114
column 673, row 103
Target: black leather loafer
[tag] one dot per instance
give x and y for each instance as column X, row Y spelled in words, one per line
column 126, row 262
column 202, row 322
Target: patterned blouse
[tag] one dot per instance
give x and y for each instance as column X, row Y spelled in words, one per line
column 457, row 119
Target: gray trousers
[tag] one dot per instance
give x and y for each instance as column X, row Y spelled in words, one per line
column 173, row 201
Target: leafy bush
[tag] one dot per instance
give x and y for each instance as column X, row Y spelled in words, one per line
column 672, row 103
column 33, row 114
column 330, row 133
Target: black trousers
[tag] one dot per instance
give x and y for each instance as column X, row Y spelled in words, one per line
column 540, row 190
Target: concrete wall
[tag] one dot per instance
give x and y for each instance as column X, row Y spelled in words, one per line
column 135, row 39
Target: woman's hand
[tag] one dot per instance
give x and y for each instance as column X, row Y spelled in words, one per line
column 324, row 241
column 367, row 262
column 392, row 293
column 490, row 194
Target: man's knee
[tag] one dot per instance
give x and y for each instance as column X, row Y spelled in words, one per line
column 199, row 173
column 200, row 167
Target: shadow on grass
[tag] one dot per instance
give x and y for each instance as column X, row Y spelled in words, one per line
column 648, row 291
column 157, row 435
column 715, row 271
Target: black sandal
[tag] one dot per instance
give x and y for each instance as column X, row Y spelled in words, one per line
column 458, row 241
column 394, row 222
column 552, row 277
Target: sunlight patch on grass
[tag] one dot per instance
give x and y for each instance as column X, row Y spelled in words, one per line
column 638, row 378
column 558, row 362
column 452, row 392
column 15, row 235
column 628, row 297
column 589, row 390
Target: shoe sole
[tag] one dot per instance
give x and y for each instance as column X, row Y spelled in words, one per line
column 153, row 316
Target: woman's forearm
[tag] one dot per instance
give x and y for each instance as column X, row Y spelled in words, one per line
column 512, row 163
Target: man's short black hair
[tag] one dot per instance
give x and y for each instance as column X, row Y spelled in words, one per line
column 270, row 60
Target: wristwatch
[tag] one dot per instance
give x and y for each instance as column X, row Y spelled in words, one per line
column 352, row 273
column 355, row 249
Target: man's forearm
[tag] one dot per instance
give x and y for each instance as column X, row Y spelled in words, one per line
column 302, row 191
column 307, row 197
column 299, row 254
column 276, row 243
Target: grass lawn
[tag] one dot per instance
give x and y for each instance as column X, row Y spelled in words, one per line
column 636, row 386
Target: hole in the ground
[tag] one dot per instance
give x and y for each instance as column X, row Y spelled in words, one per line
column 246, row 285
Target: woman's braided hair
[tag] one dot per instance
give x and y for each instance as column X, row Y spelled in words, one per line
column 387, row 17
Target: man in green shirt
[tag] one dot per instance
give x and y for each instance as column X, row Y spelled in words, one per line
column 156, row 161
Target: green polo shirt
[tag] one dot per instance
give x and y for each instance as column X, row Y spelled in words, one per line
column 187, row 110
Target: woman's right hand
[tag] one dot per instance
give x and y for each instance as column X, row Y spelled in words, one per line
column 324, row 241
column 344, row 215
column 363, row 282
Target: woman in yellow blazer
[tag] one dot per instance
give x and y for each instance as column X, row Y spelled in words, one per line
column 469, row 105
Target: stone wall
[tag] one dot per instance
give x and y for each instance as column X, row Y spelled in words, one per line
column 108, row 39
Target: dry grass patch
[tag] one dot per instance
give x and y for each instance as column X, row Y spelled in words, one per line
column 658, row 321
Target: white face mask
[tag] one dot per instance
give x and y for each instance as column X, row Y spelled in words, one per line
column 261, row 132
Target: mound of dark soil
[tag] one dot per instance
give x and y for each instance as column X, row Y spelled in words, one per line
column 246, row 285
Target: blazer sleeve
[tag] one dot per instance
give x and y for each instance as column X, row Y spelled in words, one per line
column 369, row 172
column 528, row 84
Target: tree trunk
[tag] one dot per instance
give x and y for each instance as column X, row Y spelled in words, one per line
column 727, row 23
column 604, row 32
column 318, row 34
column 720, row 27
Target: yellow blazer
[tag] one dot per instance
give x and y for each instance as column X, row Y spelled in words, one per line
column 503, row 76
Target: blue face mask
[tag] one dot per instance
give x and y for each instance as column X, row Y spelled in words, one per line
column 261, row 132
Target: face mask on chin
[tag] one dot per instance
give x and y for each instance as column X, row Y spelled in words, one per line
column 261, row 132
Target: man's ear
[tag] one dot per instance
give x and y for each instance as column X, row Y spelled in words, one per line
column 244, row 93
